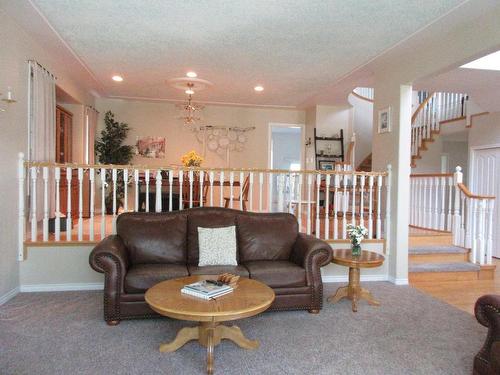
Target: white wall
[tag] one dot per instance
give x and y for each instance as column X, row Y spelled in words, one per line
column 485, row 130
column 161, row 119
column 362, row 124
column 16, row 48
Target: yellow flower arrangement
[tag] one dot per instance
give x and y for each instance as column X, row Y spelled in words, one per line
column 192, row 159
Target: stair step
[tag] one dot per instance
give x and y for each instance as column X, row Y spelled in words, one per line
column 437, row 249
column 443, row 271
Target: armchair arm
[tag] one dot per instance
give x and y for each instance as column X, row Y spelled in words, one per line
column 487, row 311
column 111, row 258
column 309, row 251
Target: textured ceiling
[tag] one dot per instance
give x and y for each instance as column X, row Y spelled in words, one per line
column 293, row 48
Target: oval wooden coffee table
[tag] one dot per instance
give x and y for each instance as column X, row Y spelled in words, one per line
column 250, row 298
column 354, row 291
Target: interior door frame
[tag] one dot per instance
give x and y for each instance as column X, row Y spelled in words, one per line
column 270, row 143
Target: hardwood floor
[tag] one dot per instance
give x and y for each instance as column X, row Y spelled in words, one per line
column 461, row 294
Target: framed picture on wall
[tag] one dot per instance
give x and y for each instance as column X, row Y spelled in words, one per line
column 384, row 120
column 326, row 165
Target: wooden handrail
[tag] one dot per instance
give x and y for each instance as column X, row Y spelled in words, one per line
column 29, row 164
column 468, row 194
column 420, row 107
column 418, row 175
column 362, row 97
column 349, row 152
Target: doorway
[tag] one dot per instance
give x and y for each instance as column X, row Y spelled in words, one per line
column 485, row 180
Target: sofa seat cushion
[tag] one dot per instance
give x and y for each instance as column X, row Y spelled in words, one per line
column 141, row 277
column 277, row 273
column 217, row 270
column 266, row 236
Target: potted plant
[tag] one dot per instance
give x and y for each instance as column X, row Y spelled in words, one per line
column 111, row 150
column 356, row 234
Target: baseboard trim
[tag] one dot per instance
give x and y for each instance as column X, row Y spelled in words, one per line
column 345, row 278
column 9, row 295
column 396, row 281
column 60, row 287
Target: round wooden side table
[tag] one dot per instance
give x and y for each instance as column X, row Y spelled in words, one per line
column 354, row 291
column 250, row 298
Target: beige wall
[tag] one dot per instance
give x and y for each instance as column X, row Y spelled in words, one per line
column 16, row 48
column 161, row 119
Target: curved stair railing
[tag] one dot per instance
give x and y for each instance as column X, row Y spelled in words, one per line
column 365, row 93
column 441, row 202
column 434, row 108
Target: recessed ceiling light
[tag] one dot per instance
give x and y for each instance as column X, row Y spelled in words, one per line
column 258, row 88
column 488, row 62
column 189, row 92
column 117, row 78
column 191, row 75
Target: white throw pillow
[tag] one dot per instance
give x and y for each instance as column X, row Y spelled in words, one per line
column 217, row 246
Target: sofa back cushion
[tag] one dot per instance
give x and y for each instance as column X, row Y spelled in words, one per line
column 154, row 238
column 266, row 236
column 206, row 217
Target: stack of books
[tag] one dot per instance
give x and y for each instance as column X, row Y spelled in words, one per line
column 206, row 289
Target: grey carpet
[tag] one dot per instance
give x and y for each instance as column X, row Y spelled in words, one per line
column 436, row 249
column 411, row 333
column 443, row 267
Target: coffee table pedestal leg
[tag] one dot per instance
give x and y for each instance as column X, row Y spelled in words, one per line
column 353, row 291
column 209, row 334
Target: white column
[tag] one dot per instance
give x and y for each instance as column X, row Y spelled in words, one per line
column 45, row 223
column 456, row 207
column 21, row 224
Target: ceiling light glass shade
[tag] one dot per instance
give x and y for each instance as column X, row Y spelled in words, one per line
column 117, row 78
column 191, row 75
column 258, row 88
column 189, row 92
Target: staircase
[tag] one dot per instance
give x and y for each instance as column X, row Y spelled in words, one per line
column 366, row 164
column 433, row 258
column 433, row 110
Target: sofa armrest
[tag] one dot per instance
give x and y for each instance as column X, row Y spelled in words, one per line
column 111, row 258
column 309, row 250
column 487, row 310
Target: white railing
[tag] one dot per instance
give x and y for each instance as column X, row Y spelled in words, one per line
column 367, row 93
column 82, row 202
column 434, row 108
column 441, row 202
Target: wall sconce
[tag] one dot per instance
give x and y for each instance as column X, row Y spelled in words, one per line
column 308, row 142
column 9, row 99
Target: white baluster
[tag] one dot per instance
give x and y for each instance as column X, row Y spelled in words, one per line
column 336, row 202
column 170, row 189
column 202, row 196
column 34, row 226
column 261, row 183
column 57, row 176
column 125, row 190
column 231, row 183
column 250, row 193
column 281, row 188
column 299, row 200
column 327, row 206
column 370, row 207
column 103, row 203
column 180, row 175
column 136, row 195
column 353, row 215
column 309, row 196
column 146, row 180
column 462, row 221
column 211, row 181
column 425, row 189
column 68, row 217
column 242, row 176
column 80, row 204
column 473, row 225
column 450, row 204
column 362, row 200
column 92, row 204
column 158, row 205
column 436, row 203
column 114, row 178
column 221, row 183
column 480, row 232
column 456, row 207
column 318, row 183
column 191, row 178
column 270, row 192
column 379, row 203
column 442, row 216
column 45, row 223
column 489, row 241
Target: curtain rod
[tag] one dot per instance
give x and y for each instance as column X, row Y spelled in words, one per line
column 41, row 66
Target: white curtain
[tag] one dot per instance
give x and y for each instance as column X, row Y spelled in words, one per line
column 91, row 116
column 42, row 127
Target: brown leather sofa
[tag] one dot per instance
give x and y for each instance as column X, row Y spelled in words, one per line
column 152, row 247
column 487, row 310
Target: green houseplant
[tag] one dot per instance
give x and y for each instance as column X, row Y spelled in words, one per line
column 111, row 150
